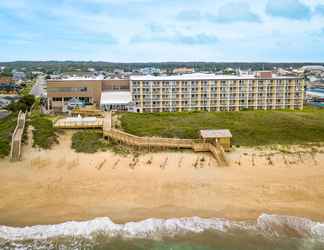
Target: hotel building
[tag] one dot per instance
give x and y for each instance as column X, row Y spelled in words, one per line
column 191, row 92
column 201, row 92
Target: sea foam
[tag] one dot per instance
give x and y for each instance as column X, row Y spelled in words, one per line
column 150, row 228
column 276, row 225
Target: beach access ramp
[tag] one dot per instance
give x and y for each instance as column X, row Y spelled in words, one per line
column 15, row 151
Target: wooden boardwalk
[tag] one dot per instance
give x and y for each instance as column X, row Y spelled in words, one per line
column 68, row 124
column 15, row 151
column 150, row 142
column 147, row 142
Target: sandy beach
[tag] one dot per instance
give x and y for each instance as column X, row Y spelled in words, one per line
column 49, row 187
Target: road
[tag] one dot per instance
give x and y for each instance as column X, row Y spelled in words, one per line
column 39, row 89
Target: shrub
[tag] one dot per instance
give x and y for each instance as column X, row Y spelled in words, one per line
column 44, row 134
column 23, row 104
column 88, row 141
column 7, row 126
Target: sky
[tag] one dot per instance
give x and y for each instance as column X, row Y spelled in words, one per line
column 162, row 30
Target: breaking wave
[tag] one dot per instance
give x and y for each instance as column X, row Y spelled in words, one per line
column 275, row 225
column 279, row 225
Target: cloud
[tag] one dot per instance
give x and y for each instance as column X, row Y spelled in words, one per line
column 199, row 39
column 319, row 10
column 156, row 28
column 290, row 9
column 176, row 39
column 166, row 30
column 234, row 12
column 189, row 15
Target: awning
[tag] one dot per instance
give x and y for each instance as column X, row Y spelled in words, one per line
column 115, row 97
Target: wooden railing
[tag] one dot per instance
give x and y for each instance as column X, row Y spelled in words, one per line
column 63, row 123
column 196, row 145
column 106, row 124
column 15, row 151
column 149, row 141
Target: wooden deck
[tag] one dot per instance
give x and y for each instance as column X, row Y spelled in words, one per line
column 66, row 124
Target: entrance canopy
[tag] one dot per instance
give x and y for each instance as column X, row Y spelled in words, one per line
column 115, row 98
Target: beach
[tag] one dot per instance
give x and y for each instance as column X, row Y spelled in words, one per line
column 59, row 185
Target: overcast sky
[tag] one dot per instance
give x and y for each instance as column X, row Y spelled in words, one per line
column 162, row 30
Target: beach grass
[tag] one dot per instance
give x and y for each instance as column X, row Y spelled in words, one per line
column 7, row 126
column 92, row 141
column 249, row 128
column 44, row 134
column 88, row 141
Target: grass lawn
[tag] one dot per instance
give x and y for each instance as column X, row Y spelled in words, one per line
column 7, row 126
column 249, row 128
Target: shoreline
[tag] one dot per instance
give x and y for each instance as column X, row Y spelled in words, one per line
column 59, row 185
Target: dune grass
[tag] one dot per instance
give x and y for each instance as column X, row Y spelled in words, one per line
column 91, row 141
column 7, row 127
column 44, row 134
column 249, row 128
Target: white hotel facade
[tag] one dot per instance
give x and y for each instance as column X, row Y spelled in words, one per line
column 209, row 92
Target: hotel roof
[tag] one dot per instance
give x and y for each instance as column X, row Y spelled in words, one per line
column 115, row 97
column 200, row 76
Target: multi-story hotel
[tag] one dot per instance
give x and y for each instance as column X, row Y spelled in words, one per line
column 192, row 92
column 216, row 93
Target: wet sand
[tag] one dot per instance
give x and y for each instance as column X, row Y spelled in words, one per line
column 59, row 185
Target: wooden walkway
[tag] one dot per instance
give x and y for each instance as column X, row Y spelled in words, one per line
column 68, row 124
column 15, row 151
column 148, row 142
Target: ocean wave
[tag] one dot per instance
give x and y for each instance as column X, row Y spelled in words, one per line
column 275, row 225
column 150, row 228
column 279, row 225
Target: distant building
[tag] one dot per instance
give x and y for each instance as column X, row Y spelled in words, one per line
column 118, row 71
column 150, row 71
column 264, row 74
column 18, row 76
column 7, row 85
column 317, row 70
column 183, row 70
column 244, row 72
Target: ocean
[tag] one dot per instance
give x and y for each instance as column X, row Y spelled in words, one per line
column 268, row 232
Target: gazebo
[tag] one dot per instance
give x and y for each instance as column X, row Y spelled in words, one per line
column 221, row 136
